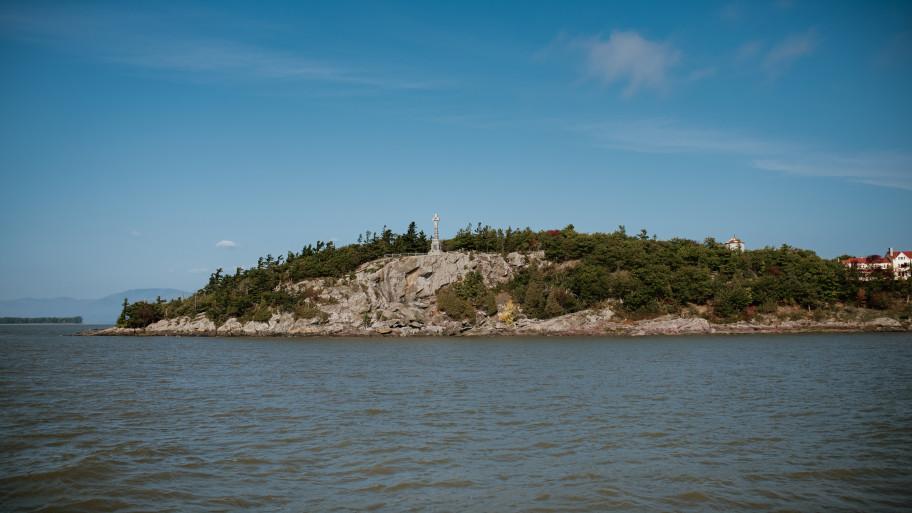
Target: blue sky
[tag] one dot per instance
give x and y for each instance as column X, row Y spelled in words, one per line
column 136, row 137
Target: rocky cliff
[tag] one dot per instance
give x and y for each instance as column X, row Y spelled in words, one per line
column 396, row 296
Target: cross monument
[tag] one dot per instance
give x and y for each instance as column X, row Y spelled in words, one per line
column 435, row 242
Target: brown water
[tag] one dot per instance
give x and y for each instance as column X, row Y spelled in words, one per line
column 803, row 423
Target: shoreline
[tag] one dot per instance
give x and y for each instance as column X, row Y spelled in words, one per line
column 678, row 326
column 401, row 297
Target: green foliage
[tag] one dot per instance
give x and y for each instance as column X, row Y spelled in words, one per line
column 307, row 310
column 449, row 302
column 650, row 275
column 255, row 293
column 730, row 301
column 262, row 313
column 691, row 284
column 141, row 314
column 472, row 289
column 491, row 240
column 559, row 302
column 543, row 293
column 460, row 300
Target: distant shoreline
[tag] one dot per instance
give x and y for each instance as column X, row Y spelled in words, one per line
column 40, row 320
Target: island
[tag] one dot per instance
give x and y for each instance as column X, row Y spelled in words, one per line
column 490, row 282
column 41, row 320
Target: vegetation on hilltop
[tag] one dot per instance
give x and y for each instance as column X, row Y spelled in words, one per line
column 645, row 276
column 250, row 294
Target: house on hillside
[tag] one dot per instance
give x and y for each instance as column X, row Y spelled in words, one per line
column 901, row 262
column 867, row 266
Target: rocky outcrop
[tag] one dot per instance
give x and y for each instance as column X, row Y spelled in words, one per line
column 396, row 296
column 399, row 292
column 197, row 326
column 672, row 325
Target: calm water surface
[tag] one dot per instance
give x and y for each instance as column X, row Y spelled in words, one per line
column 799, row 423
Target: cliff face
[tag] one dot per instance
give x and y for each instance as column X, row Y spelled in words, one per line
column 400, row 292
column 390, row 295
column 397, row 296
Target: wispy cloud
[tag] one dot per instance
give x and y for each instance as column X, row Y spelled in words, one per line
column 701, row 73
column 628, row 58
column 789, row 50
column 226, row 244
column 666, row 136
column 773, row 59
column 748, row 51
column 886, row 169
column 141, row 41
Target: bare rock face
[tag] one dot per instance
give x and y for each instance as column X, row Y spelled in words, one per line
column 670, row 325
column 584, row 322
column 885, row 322
column 400, row 291
column 200, row 325
column 417, row 278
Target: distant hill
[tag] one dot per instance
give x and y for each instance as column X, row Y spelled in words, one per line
column 93, row 311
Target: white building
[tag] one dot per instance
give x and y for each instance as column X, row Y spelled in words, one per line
column 902, row 263
column 897, row 262
column 735, row 244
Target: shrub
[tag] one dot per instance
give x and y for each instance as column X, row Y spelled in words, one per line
column 449, row 302
column 306, row 310
column 731, row 301
column 261, row 313
column 509, row 312
column 473, row 290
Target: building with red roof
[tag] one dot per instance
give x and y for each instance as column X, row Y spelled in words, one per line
column 900, row 262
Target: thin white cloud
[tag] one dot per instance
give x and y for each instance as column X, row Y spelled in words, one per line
column 701, row 73
column 789, row 50
column 748, row 50
column 628, row 58
column 226, row 244
column 135, row 233
column 148, row 42
column 666, row 136
column 885, row 169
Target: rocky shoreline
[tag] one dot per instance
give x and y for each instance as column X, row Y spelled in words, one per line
column 581, row 324
column 396, row 296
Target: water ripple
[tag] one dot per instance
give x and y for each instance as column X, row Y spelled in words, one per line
column 787, row 423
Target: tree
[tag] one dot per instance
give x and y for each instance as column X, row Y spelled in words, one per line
column 730, row 301
column 122, row 319
column 535, row 298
